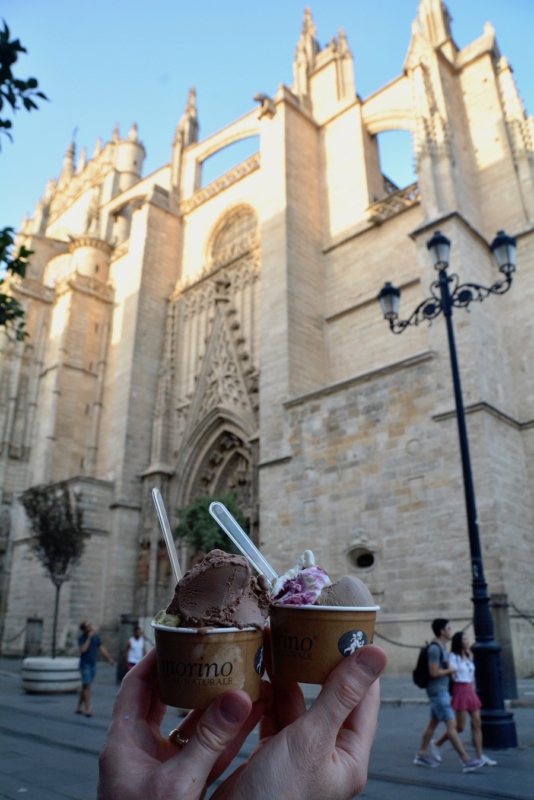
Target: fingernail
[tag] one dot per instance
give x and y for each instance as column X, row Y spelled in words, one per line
column 370, row 661
column 234, row 708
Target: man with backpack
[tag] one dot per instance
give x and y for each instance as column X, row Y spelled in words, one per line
column 437, row 689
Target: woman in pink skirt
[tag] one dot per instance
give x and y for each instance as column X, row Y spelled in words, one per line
column 464, row 698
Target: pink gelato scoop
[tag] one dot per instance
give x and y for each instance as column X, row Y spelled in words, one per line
column 301, row 585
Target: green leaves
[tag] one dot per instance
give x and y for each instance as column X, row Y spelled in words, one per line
column 12, row 89
column 11, row 311
column 56, row 520
column 200, row 531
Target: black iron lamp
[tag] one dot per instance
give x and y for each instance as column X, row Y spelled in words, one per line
column 498, row 725
column 440, row 248
column 390, row 301
column 503, row 248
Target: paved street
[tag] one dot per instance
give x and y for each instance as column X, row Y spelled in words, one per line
column 49, row 753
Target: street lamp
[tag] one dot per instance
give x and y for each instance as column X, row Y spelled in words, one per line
column 447, row 292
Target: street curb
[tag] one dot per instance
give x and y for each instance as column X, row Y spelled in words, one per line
column 418, row 701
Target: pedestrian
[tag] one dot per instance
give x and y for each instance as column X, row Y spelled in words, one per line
column 464, row 698
column 440, row 702
column 89, row 644
column 135, row 649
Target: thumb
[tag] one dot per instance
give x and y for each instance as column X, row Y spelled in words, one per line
column 216, row 728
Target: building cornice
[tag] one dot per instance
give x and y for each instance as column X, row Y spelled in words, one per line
column 474, row 408
column 367, row 301
column 361, row 377
column 90, row 241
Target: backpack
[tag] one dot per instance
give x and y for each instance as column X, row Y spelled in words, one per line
column 421, row 673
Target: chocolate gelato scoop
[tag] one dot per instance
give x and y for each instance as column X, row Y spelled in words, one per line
column 221, row 592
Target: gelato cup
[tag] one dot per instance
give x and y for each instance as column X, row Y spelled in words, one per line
column 308, row 641
column 195, row 667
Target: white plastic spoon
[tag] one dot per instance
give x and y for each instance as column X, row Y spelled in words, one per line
column 167, row 533
column 235, row 532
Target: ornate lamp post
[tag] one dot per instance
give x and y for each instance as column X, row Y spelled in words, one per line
column 446, row 293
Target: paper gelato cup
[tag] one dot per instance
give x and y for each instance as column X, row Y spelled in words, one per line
column 195, row 668
column 307, row 642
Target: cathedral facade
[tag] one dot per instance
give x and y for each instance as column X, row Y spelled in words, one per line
column 202, row 339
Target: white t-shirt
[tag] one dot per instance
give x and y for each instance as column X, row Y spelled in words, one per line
column 465, row 669
column 136, row 651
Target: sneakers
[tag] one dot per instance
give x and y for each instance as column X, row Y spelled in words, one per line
column 488, row 761
column 435, row 751
column 426, row 761
column 473, row 764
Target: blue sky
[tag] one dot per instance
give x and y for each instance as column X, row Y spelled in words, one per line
column 134, row 60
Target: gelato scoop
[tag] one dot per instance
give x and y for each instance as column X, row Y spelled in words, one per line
column 308, row 584
column 221, row 592
column 302, row 584
column 347, row 591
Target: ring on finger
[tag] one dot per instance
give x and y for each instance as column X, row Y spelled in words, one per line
column 177, row 738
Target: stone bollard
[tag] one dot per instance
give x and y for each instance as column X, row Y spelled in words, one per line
column 51, row 675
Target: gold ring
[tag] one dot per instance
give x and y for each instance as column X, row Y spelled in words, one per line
column 177, row 738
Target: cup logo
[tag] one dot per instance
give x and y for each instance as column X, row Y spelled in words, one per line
column 351, row 641
column 258, row 661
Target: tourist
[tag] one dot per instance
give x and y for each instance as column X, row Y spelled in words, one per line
column 440, row 702
column 89, row 643
column 135, row 649
column 464, row 698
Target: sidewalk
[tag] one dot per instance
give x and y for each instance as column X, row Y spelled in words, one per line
column 49, row 753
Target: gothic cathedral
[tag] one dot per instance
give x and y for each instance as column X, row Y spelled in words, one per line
column 207, row 338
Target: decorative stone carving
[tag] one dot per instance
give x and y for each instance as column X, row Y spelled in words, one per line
column 394, row 203
column 222, row 381
column 212, row 189
column 87, row 284
column 29, row 287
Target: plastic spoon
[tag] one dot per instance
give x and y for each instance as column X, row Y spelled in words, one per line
column 167, row 533
column 235, row 532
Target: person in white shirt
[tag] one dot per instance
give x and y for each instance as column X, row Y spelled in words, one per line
column 135, row 649
column 464, row 698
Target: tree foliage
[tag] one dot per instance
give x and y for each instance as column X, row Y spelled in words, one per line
column 14, row 90
column 58, row 538
column 15, row 93
column 198, row 528
column 11, row 311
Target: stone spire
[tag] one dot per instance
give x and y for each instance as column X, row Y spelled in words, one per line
column 343, row 43
column 435, row 21
column 81, row 160
column 116, row 137
column 305, row 55
column 132, row 133
column 188, row 127
column 98, row 147
column 67, row 170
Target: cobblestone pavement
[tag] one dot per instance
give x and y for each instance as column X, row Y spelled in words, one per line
column 49, row 753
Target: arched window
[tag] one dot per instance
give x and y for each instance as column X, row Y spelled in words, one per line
column 236, row 229
column 396, row 158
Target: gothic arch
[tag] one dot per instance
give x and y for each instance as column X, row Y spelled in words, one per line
column 389, row 120
column 218, row 457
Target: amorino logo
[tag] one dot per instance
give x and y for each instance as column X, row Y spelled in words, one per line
column 294, row 643
column 195, row 669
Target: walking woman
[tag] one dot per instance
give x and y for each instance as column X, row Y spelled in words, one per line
column 464, row 698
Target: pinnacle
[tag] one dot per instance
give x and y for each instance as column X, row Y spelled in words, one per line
column 132, row 134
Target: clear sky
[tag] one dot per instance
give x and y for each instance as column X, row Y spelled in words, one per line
column 109, row 61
